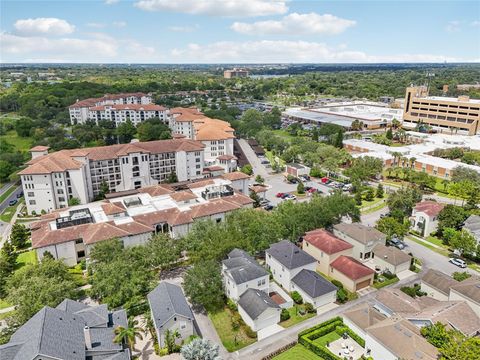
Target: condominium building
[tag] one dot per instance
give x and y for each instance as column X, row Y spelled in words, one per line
column 50, row 180
column 121, row 113
column 216, row 135
column 134, row 216
column 233, row 73
column 80, row 111
column 444, row 114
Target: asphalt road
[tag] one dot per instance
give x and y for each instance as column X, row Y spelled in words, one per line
column 13, row 195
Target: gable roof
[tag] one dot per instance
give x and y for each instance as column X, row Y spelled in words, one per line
column 166, row 301
column 360, row 232
column 313, row 284
column 351, row 268
column 439, row 280
column 431, row 208
column 364, row 316
column 236, row 175
column 326, row 241
column 469, row 288
column 289, row 255
column 254, row 302
column 400, row 303
column 242, row 269
column 235, row 253
column 391, row 254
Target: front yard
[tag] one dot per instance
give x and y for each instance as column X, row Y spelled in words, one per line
column 298, row 352
column 222, row 320
column 295, row 316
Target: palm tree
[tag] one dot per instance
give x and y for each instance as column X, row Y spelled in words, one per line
column 128, row 334
column 412, row 162
column 396, row 158
column 170, row 338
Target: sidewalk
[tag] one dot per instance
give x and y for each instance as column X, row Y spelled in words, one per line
column 426, row 242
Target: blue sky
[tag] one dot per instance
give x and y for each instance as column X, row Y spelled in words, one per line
column 239, row 31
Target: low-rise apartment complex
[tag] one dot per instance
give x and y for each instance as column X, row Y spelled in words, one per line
column 445, row 114
column 50, row 180
column 80, row 112
column 235, row 72
column 134, row 216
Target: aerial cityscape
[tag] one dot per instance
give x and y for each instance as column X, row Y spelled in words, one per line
column 239, row 179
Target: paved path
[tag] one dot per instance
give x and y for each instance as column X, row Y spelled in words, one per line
column 6, row 310
column 208, row 332
column 5, row 187
column 258, row 168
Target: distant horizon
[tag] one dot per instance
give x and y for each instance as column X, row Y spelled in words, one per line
column 246, row 63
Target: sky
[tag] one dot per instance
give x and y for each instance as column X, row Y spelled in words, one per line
column 239, row 31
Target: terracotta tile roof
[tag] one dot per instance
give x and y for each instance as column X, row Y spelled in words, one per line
column 93, row 101
column 135, row 228
column 40, row 148
column 326, row 241
column 102, row 231
column 43, row 236
column 186, row 114
column 431, row 208
column 236, row 175
column 183, row 195
column 213, row 168
column 55, row 162
column 215, row 206
column 351, row 268
column 207, row 129
column 239, row 199
column 178, row 136
column 157, row 190
column 135, row 107
column 155, row 217
column 113, row 208
column 201, row 183
column 226, row 157
column 258, row 188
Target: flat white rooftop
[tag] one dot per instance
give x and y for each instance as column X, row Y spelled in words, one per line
column 453, row 99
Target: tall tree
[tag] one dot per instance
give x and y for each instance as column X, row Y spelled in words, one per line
column 126, row 131
column 128, row 335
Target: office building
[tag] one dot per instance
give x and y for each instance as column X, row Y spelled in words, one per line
column 449, row 115
column 234, row 73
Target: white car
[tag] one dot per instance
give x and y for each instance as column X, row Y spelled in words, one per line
column 458, row 262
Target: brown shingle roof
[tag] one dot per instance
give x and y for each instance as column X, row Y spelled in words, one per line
column 364, row 316
column 326, row 241
column 469, row 288
column 400, row 303
column 391, row 254
column 360, row 232
column 438, row 280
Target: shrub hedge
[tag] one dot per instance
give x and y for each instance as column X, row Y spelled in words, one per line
column 340, row 330
column 316, row 327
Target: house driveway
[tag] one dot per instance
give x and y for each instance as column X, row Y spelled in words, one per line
column 268, row 331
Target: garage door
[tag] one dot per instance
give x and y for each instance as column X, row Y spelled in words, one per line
column 363, row 284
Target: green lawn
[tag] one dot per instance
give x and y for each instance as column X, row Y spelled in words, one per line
column 271, row 158
column 222, row 321
column 8, row 213
column 28, row 257
column 295, row 316
column 284, row 134
column 20, row 143
column 366, row 203
column 433, row 248
column 7, row 193
column 377, row 207
column 435, row 240
column 5, row 315
column 4, row 304
column 330, row 337
column 298, row 352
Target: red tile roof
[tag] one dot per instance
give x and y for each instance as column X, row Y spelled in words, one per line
column 351, row 268
column 236, row 175
column 431, row 208
column 326, row 241
column 93, row 101
column 40, row 148
column 113, row 208
column 135, row 107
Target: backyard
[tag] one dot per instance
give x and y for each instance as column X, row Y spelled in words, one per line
column 298, row 352
column 295, row 316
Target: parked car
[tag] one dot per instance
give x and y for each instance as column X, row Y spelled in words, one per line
column 19, row 195
column 325, row 180
column 397, row 243
column 458, row 262
column 290, row 197
column 285, row 195
column 280, row 195
column 264, row 202
column 304, row 178
column 12, row 202
column 268, row 207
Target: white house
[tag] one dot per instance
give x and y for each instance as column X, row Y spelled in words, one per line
column 363, row 238
column 258, row 310
column 285, row 261
column 170, row 311
column 424, row 217
column 241, row 272
column 313, row 288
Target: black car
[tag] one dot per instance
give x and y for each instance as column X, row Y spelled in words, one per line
column 19, row 195
column 268, row 207
column 12, row 202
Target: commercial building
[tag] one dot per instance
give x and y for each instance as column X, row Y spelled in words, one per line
column 133, row 217
column 372, row 115
column 50, row 180
column 444, row 114
column 80, row 111
column 235, row 72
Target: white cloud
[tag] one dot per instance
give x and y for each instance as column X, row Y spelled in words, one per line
column 45, row 26
column 184, row 29
column 475, row 23
column 233, row 8
column 96, row 47
column 111, row 2
column 96, row 25
column 296, row 24
column 119, row 24
column 453, row 26
column 266, row 51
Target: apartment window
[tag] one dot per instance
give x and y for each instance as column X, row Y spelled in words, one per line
column 32, row 202
column 60, row 191
column 31, row 194
column 78, row 241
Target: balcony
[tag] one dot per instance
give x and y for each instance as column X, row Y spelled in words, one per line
column 217, row 192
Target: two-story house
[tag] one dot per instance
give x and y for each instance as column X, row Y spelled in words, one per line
column 362, row 237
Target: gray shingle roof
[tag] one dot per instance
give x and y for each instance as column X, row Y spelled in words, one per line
column 360, row 232
column 313, row 284
column 71, row 306
column 472, row 224
column 166, row 301
column 391, row 254
column 95, row 316
column 289, row 255
column 254, row 302
column 243, row 269
column 235, row 253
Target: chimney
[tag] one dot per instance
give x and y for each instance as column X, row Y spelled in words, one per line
column 88, row 337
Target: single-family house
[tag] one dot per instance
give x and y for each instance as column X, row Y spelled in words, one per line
column 242, row 272
column 285, row 260
column 396, row 338
column 325, row 248
column 391, row 301
column 390, row 258
column 467, row 290
column 424, row 217
column 170, row 311
column 456, row 315
column 437, row 284
column 363, row 238
column 472, row 225
column 351, row 273
column 71, row 331
column 361, row 317
column 314, row 288
column 258, row 310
